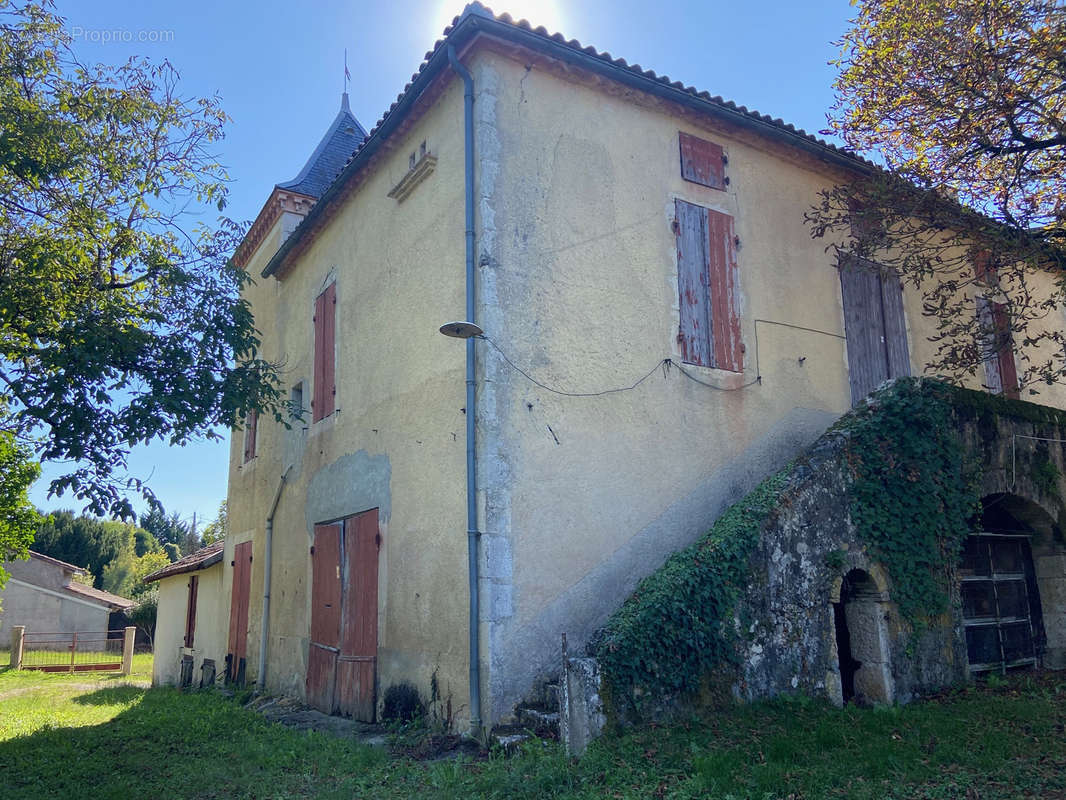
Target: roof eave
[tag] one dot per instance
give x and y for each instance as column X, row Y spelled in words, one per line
column 167, row 572
column 474, row 24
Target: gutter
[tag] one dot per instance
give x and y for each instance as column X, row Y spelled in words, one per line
column 476, row 20
column 268, row 558
column 472, row 533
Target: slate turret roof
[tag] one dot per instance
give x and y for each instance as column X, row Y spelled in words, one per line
column 341, row 140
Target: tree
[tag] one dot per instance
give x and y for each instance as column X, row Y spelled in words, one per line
column 120, row 309
column 964, row 103
column 125, row 574
column 167, row 529
column 215, row 531
column 18, row 518
column 81, row 540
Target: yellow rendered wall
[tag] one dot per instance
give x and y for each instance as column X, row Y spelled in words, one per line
column 396, row 440
column 579, row 497
column 209, row 638
column 583, row 496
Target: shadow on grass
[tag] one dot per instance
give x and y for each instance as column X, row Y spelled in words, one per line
column 174, row 745
column 110, row 696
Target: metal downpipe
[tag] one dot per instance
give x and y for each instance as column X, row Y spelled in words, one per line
column 268, row 559
column 472, row 532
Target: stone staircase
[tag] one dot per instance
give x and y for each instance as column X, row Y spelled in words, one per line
column 535, row 717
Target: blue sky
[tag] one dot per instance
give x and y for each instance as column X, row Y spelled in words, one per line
column 278, row 66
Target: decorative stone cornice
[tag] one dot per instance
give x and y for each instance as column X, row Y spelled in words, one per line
column 279, row 202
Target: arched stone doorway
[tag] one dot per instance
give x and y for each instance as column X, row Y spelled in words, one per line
column 1013, row 588
column 861, row 640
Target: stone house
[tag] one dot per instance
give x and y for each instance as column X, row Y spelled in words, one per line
column 660, row 333
column 42, row 596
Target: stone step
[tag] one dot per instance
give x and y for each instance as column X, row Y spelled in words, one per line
column 539, row 720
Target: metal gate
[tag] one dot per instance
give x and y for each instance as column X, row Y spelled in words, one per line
column 80, row 651
column 1000, row 602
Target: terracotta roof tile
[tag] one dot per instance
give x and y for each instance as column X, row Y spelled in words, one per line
column 56, row 562
column 476, row 18
column 112, row 600
column 201, row 559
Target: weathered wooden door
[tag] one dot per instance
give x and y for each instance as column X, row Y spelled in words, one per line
column 357, row 662
column 875, row 327
column 326, row 594
column 238, row 609
column 342, row 657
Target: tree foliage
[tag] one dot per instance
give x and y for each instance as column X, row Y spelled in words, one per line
column 125, row 575
column 964, row 103
column 84, row 541
column 120, row 310
column 169, row 529
column 215, row 530
column 18, row 518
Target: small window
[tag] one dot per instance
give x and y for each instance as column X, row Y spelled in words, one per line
column 296, row 402
column 251, row 426
column 702, row 162
column 325, row 321
column 708, row 288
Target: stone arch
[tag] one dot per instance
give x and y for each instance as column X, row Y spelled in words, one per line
column 862, row 642
column 1013, row 586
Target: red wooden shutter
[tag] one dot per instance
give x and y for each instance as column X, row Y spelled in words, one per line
column 1008, row 370
column 238, row 610
column 249, row 435
column 725, row 293
column 708, row 288
column 983, row 269
column 702, row 162
column 190, row 612
column 322, row 402
column 694, row 334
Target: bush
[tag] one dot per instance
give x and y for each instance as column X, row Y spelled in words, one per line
column 403, row 703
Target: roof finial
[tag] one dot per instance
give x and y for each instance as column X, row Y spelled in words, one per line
column 347, row 79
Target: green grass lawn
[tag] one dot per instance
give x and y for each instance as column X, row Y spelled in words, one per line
column 66, row 735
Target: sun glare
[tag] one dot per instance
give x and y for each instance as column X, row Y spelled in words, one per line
column 537, row 12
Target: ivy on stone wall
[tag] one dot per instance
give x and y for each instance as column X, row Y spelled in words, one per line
column 913, row 494
column 912, row 497
column 678, row 625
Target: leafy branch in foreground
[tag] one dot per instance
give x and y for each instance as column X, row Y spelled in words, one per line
column 963, row 101
column 120, row 315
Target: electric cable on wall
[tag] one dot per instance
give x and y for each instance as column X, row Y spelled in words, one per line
column 664, row 364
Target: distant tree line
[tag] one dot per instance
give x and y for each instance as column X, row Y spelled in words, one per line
column 119, row 555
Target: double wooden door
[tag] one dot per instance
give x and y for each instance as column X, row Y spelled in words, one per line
column 342, row 658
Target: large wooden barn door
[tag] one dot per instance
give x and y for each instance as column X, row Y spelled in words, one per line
column 356, row 665
column 875, row 327
column 342, row 658
column 238, row 611
column 325, row 617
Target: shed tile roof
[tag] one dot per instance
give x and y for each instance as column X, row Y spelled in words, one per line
column 56, row 562
column 112, row 600
column 341, row 139
column 201, row 559
column 475, row 19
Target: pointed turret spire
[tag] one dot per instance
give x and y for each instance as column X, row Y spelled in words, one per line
column 341, row 139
